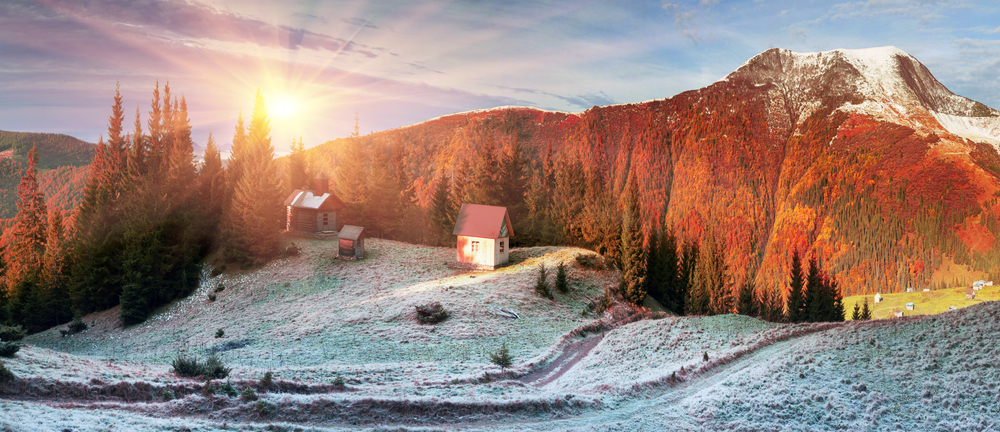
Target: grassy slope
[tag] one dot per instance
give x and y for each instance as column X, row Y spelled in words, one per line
column 925, row 303
column 311, row 316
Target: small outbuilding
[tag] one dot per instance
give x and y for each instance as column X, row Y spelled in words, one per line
column 878, row 298
column 899, row 313
column 483, row 237
column 909, row 306
column 313, row 211
column 970, row 294
column 352, row 243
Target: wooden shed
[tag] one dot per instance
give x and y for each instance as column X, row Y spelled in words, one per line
column 483, row 236
column 970, row 294
column 352, row 243
column 313, row 211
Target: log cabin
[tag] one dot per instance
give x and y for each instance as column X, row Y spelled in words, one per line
column 313, row 211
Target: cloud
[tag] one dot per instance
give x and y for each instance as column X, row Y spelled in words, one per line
column 923, row 11
column 585, row 100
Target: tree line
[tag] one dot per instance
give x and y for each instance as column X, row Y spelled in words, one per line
column 148, row 217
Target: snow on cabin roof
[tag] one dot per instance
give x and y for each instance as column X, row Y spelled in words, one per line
column 306, row 199
column 483, row 221
column 351, row 232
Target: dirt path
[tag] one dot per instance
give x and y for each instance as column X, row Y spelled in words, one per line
column 569, row 358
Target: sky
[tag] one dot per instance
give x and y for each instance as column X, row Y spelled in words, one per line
column 322, row 64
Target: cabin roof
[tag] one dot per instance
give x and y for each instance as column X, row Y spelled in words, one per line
column 351, row 232
column 477, row 220
column 308, row 200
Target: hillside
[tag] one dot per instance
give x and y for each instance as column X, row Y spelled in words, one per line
column 860, row 158
column 354, row 320
column 62, row 164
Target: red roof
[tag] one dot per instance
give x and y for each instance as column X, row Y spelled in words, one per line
column 483, row 221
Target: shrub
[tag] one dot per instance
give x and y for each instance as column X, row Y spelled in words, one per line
column 167, row 395
column 215, row 368
column 431, row 313
column 208, row 389
column 218, row 270
column 590, row 261
column 338, row 381
column 267, row 379
column 502, row 357
column 77, row 326
column 220, row 288
column 5, row 374
column 561, row 283
column 211, row 297
column 229, row 390
column 12, row 333
column 187, row 366
column 248, row 394
column 264, row 407
column 8, row 349
column 542, row 285
column 220, row 333
column 705, row 357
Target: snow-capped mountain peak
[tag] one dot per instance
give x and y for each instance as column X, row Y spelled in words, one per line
column 885, row 82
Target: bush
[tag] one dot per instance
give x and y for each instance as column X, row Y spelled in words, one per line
column 8, row 349
column 431, row 313
column 167, row 395
column 590, row 261
column 338, row 381
column 214, row 368
column 229, row 390
column 187, row 366
column 705, row 357
column 208, row 389
column 267, row 379
column 220, row 333
column 12, row 333
column 264, row 407
column 211, row 297
column 220, row 288
column 542, row 285
column 77, row 326
column 561, row 283
column 502, row 357
column 5, row 374
column 248, row 394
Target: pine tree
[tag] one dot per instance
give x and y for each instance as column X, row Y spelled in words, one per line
column 297, row 175
column 686, row 286
column 815, row 294
column 440, row 215
column 747, row 303
column 836, row 311
column 56, row 298
column 866, row 313
column 28, row 233
column 181, row 170
column 795, row 301
column 484, row 187
column 154, row 125
column 136, row 164
column 561, row 283
column 856, row 315
column 255, row 214
column 237, row 154
column 633, row 263
column 710, row 280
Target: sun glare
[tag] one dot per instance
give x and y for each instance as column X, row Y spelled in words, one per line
column 283, row 107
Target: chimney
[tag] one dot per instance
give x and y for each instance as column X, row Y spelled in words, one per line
column 322, row 184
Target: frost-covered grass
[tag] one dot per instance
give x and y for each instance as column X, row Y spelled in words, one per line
column 925, row 302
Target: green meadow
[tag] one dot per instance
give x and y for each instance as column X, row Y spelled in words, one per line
column 924, row 302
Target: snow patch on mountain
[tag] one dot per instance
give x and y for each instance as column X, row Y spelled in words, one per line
column 984, row 129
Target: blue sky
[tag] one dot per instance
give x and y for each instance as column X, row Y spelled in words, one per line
column 399, row 62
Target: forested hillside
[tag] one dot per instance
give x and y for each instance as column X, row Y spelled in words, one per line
column 62, row 163
column 762, row 166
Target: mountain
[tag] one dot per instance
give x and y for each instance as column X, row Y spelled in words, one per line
column 63, row 164
column 859, row 158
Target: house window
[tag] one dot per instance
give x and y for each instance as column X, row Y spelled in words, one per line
column 501, row 246
column 475, row 247
column 325, row 218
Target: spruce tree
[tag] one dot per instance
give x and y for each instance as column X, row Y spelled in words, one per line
column 28, row 233
column 297, row 175
column 686, row 270
column 254, row 216
column 795, row 301
column 154, row 153
column 866, row 313
column 856, row 315
column 710, row 280
column 747, row 302
column 561, row 283
column 633, row 264
column 815, row 294
column 441, row 219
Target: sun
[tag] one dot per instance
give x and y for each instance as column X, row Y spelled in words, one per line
column 283, row 107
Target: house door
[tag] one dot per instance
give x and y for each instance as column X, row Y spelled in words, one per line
column 324, row 224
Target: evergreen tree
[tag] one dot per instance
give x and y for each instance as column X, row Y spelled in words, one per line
column 512, row 179
column 866, row 313
column 633, row 263
column 686, row 286
column 836, row 312
column 181, row 170
column 255, row 214
column 662, row 278
column 28, row 233
column 795, row 303
column 136, row 165
column 815, row 294
column 297, row 175
column 237, row 154
column 711, row 294
column 484, row 186
column 561, row 283
column 747, row 303
column 154, row 154
column 440, row 214
column 56, row 298
column 856, row 315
